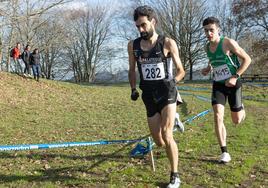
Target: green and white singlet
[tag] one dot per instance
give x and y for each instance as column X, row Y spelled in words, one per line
column 224, row 66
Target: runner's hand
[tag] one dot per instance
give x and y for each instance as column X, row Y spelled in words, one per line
column 134, row 94
column 205, row 71
column 231, row 82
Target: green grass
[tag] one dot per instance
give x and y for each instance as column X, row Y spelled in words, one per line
column 51, row 111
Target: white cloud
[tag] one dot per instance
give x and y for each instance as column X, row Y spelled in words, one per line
column 75, row 4
column 113, row 4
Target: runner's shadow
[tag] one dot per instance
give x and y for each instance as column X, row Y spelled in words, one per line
column 48, row 156
column 161, row 184
column 58, row 175
column 112, row 154
column 65, row 173
column 209, row 159
column 206, row 159
column 212, row 161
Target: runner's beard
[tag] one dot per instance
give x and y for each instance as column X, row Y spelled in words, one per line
column 147, row 35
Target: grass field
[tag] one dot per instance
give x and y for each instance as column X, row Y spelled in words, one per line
column 51, row 111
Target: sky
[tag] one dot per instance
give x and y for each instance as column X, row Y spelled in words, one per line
column 114, row 4
column 82, row 3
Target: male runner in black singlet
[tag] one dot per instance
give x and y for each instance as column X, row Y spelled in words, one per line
column 153, row 53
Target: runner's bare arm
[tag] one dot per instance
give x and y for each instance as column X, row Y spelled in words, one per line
column 240, row 52
column 207, row 69
column 132, row 66
column 172, row 47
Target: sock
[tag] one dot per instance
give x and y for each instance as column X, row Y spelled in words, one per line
column 224, row 149
column 174, row 174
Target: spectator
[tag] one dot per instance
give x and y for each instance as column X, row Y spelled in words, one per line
column 35, row 63
column 15, row 54
column 26, row 59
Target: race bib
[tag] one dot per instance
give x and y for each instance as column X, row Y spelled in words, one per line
column 221, row 72
column 153, row 71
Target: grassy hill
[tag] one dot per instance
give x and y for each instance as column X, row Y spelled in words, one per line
column 51, row 111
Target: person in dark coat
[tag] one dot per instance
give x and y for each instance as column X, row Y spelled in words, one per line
column 35, row 63
column 25, row 56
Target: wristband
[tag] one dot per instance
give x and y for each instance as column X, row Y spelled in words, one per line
column 237, row 75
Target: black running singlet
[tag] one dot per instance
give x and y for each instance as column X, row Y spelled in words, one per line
column 153, row 66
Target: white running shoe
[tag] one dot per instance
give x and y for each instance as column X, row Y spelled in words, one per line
column 225, row 157
column 174, row 182
column 178, row 123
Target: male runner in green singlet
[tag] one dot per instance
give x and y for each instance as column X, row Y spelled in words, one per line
column 223, row 56
column 152, row 53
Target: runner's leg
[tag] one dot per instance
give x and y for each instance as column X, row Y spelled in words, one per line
column 237, row 109
column 220, row 129
column 167, row 124
column 155, row 129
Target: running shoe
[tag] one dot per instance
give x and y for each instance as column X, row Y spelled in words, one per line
column 225, row 157
column 174, row 182
column 178, row 123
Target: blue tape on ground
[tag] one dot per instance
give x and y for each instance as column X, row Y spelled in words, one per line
column 64, row 145
column 188, row 88
column 141, row 150
column 104, row 142
column 79, row 144
column 257, row 85
column 201, row 114
column 252, row 98
column 189, row 120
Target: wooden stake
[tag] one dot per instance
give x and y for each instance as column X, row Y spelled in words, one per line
column 151, row 155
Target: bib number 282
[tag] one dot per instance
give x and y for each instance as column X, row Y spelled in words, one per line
column 153, row 71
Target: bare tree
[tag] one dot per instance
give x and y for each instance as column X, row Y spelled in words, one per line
column 231, row 25
column 52, row 38
column 10, row 22
column 257, row 48
column 260, row 49
column 21, row 20
column 125, row 23
column 91, row 30
column 1, row 67
column 253, row 13
column 182, row 21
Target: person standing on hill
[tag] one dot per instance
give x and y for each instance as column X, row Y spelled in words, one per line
column 25, row 56
column 152, row 52
column 223, row 54
column 35, row 63
column 16, row 55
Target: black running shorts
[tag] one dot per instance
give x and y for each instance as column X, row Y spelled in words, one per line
column 157, row 98
column 220, row 93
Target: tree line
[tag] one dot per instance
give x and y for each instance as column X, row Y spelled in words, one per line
column 84, row 41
